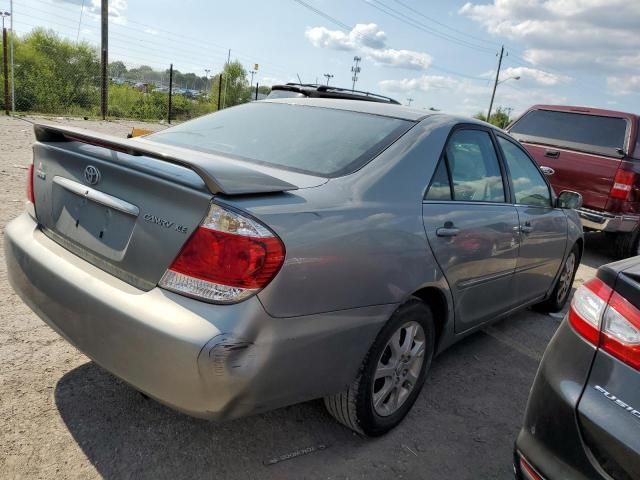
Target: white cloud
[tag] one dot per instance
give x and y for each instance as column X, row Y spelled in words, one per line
column 117, row 9
column 530, row 75
column 576, row 34
column 623, row 85
column 472, row 96
column 372, row 42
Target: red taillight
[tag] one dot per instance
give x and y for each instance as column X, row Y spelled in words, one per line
column 622, row 184
column 588, row 303
column 30, row 195
column 608, row 320
column 621, row 331
column 228, row 258
column 528, row 472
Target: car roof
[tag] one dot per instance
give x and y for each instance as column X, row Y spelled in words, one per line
column 374, row 108
column 327, row 91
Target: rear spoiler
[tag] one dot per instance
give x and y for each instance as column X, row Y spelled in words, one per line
column 220, row 174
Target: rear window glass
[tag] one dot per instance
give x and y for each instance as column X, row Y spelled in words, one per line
column 586, row 132
column 315, row 140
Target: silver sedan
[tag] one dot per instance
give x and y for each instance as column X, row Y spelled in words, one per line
column 286, row 250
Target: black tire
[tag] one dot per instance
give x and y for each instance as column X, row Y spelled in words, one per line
column 354, row 407
column 556, row 301
column 625, row 245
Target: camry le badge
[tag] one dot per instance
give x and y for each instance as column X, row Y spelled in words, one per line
column 92, row 175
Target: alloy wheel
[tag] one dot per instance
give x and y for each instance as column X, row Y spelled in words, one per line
column 566, row 276
column 398, row 368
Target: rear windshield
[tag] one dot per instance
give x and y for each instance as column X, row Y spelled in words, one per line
column 319, row 141
column 589, row 133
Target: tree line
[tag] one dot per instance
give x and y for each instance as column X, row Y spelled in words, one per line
column 57, row 76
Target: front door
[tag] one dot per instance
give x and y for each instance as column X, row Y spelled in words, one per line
column 472, row 230
column 543, row 228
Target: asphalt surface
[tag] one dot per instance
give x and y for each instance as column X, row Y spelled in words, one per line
column 62, row 416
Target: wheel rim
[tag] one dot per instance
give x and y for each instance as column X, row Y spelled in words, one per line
column 398, row 368
column 566, row 276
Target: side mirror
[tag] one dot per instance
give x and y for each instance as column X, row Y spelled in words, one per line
column 569, row 199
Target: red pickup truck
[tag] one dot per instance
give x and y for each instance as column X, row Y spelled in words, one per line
column 596, row 153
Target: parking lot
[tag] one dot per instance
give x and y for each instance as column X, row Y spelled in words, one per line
column 62, row 416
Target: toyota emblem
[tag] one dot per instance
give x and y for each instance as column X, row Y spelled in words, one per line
column 91, row 175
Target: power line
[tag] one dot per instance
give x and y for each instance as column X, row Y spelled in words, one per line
column 326, row 16
column 422, row 27
column 444, row 25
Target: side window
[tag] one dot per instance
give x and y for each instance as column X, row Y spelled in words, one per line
column 440, row 188
column 529, row 186
column 475, row 171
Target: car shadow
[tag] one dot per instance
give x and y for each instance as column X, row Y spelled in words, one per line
column 599, row 249
column 456, row 429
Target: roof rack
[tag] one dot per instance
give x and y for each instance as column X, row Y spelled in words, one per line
column 326, row 91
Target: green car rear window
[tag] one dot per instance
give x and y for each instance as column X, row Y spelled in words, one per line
column 319, row 141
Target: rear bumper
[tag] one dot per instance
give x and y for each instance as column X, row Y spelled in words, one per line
column 550, row 439
column 211, row 361
column 607, row 222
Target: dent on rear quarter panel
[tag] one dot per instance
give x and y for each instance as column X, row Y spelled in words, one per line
column 358, row 240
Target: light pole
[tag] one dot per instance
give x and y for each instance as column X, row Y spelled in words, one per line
column 409, row 100
column 4, row 62
column 356, row 70
column 206, row 73
column 329, row 77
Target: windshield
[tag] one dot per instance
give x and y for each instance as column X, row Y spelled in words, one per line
column 320, row 141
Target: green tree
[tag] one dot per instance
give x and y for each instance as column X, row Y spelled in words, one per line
column 499, row 118
column 234, row 85
column 117, row 69
column 55, row 75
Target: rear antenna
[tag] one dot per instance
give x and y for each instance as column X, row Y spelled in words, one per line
column 299, row 79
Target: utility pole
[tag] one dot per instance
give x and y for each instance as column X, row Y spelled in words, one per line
column 206, row 74
column 219, row 91
column 5, row 63
column 495, row 83
column 13, row 83
column 104, row 58
column 409, row 100
column 356, row 70
column 256, row 90
column 170, row 92
column 224, row 97
column 329, row 77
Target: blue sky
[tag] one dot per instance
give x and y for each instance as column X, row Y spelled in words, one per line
column 441, row 54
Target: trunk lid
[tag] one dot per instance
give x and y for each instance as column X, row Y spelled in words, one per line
column 128, row 206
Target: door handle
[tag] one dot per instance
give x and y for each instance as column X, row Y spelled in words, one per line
column 547, row 170
column 526, row 228
column 447, row 231
column 551, row 153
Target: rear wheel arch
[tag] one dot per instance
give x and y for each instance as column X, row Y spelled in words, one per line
column 437, row 302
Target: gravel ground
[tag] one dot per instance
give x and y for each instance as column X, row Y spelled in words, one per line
column 62, row 416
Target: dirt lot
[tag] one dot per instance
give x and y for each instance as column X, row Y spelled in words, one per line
column 61, row 416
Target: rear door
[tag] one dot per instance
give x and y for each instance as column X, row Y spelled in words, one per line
column 577, row 150
column 543, row 228
column 471, row 228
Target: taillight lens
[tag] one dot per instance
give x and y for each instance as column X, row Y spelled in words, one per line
column 608, row 320
column 527, row 471
column 30, row 195
column 621, row 331
column 588, row 303
column 227, row 259
column 622, row 184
